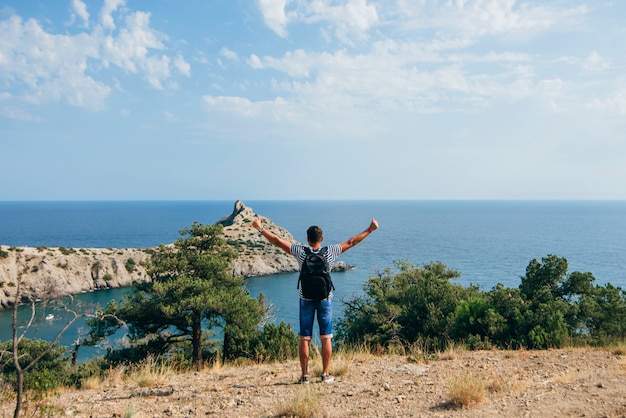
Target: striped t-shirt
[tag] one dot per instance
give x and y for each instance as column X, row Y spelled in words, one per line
column 331, row 254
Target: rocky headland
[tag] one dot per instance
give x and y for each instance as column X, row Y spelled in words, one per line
column 47, row 272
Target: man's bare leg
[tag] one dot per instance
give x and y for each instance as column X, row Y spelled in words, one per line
column 303, row 353
column 327, row 352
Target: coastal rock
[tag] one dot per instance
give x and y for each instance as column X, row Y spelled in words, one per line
column 257, row 257
column 50, row 272
column 57, row 271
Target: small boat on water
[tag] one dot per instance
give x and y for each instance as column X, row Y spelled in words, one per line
column 49, row 317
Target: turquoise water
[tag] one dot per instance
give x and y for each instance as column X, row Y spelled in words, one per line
column 488, row 242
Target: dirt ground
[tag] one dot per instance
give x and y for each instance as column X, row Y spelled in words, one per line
column 555, row 383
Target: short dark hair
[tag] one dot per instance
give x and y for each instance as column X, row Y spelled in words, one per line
column 314, row 234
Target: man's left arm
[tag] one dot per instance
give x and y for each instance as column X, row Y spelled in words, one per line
column 346, row 245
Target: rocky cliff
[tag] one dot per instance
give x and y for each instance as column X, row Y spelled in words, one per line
column 58, row 271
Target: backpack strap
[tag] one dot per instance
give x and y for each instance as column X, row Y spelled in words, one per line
column 307, row 251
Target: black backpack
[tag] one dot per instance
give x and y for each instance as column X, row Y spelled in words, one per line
column 315, row 275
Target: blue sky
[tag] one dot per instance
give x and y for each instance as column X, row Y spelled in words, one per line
column 319, row 99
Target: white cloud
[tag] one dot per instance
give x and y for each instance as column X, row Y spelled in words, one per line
column 129, row 49
column 239, row 105
column 360, row 15
column 511, row 18
column 51, row 67
column 426, row 56
column 182, row 66
column 157, row 69
column 254, row 62
column 42, row 66
column 595, row 62
column 106, row 14
column 615, row 103
column 273, row 12
column 347, row 20
column 80, row 8
column 396, row 75
column 229, row 54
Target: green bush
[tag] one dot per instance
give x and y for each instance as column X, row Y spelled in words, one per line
column 413, row 304
column 66, row 251
column 550, row 309
column 276, row 343
column 130, row 265
column 94, row 367
column 49, row 372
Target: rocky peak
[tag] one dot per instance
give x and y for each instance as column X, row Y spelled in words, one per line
column 240, row 212
column 257, row 256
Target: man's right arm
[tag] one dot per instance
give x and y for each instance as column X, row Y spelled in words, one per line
column 271, row 237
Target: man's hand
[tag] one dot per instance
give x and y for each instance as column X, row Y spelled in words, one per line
column 256, row 224
column 373, row 225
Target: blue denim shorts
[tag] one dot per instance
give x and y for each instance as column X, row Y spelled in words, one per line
column 324, row 311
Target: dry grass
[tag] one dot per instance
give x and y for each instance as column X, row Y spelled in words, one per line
column 466, row 389
column 343, row 359
column 216, row 366
column 306, row 403
column 618, row 349
column 92, row 382
column 502, row 385
column 151, row 372
column 571, row 377
column 7, row 394
column 115, row 376
column 452, row 353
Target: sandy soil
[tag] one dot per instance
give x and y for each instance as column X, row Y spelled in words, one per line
column 554, row 383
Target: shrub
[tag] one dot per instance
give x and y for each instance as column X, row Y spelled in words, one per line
column 550, row 309
column 466, row 389
column 49, row 372
column 87, row 372
column 66, row 251
column 305, row 403
column 276, row 343
column 3, row 254
column 130, row 265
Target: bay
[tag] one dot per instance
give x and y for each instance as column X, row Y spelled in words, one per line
column 488, row 242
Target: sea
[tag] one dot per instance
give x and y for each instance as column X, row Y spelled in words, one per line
column 487, row 242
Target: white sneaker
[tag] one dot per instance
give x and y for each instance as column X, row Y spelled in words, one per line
column 326, row 378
